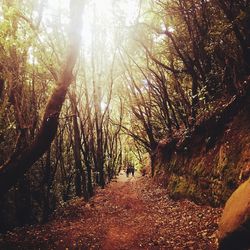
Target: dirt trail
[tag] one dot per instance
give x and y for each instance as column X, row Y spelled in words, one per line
column 131, row 213
column 122, row 229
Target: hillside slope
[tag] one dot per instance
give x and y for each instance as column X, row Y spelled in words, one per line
column 208, row 164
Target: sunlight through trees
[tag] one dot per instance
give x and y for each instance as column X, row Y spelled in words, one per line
column 86, row 91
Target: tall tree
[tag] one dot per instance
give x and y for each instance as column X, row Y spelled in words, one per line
column 17, row 165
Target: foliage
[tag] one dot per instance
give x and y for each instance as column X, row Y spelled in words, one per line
column 144, row 74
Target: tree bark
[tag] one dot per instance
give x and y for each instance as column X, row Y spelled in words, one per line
column 80, row 176
column 15, row 167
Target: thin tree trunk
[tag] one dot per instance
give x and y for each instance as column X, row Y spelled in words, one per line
column 47, row 186
column 80, row 176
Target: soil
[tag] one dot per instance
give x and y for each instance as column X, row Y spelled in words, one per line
column 130, row 213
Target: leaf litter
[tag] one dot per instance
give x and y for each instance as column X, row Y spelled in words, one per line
column 130, row 213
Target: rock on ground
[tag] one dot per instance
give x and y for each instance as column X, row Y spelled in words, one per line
column 234, row 227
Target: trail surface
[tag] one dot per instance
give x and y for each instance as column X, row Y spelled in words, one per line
column 131, row 213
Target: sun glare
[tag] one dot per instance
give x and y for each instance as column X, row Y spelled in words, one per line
column 105, row 15
column 103, row 6
column 103, row 106
column 99, row 19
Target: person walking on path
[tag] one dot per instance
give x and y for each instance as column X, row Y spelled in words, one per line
column 133, row 170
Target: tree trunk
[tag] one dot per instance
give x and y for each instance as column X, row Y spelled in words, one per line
column 15, row 167
column 80, row 176
column 47, row 186
column 23, row 201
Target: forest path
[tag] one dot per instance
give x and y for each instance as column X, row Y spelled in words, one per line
column 131, row 213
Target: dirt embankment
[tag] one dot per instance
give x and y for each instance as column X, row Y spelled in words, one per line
column 131, row 213
column 209, row 163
